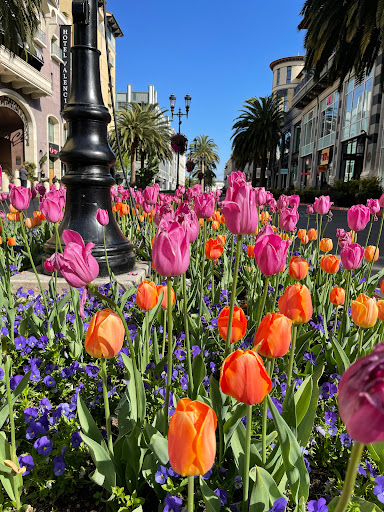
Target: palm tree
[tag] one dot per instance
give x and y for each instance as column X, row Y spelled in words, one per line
column 256, row 133
column 143, row 129
column 204, row 153
column 352, row 31
column 19, row 20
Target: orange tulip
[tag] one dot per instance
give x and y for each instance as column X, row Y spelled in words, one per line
column 147, row 296
column 312, row 234
column 42, row 216
column 215, row 225
column 221, row 239
column 125, row 209
column 38, row 221
column 216, row 216
column 273, row 337
column 213, row 249
column 1, row 240
column 118, row 206
column 301, row 233
column 29, row 222
column 330, row 264
column 11, row 241
column 326, row 245
column 191, row 438
column 380, row 307
column 296, row 303
column 251, row 251
column 304, row 240
column 105, row 335
column 371, row 251
column 164, row 302
column 12, row 209
column 298, row 268
column 264, row 217
column 201, row 222
column 337, row 296
column 244, row 377
column 114, row 209
column 36, row 214
column 364, row 311
column 239, row 324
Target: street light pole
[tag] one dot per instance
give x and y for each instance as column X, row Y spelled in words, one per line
column 87, row 154
column 172, row 101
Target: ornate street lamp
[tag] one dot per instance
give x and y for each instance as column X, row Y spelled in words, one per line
column 179, row 114
column 86, row 153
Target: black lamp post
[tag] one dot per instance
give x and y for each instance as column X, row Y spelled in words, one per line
column 180, row 114
column 86, row 153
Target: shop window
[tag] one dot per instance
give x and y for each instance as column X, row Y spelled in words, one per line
column 357, row 106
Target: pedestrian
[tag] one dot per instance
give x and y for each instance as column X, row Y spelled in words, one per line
column 23, row 175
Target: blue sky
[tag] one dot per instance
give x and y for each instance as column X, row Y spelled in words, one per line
column 217, row 51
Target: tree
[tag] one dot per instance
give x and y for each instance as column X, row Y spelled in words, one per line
column 142, row 129
column 351, row 31
column 204, row 153
column 256, row 133
column 19, row 20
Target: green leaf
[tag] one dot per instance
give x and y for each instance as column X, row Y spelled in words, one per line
column 231, row 424
column 364, row 506
column 289, row 408
column 303, row 398
column 105, row 474
column 211, row 499
column 217, row 398
column 305, row 427
column 293, row 458
column 238, row 449
column 198, row 372
column 126, row 296
column 159, row 446
column 264, row 490
column 87, row 423
column 137, row 410
column 4, row 411
column 341, row 357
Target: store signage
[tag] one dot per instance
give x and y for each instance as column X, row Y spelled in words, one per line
column 325, row 156
column 7, row 102
column 54, row 150
column 65, row 45
column 305, row 173
column 283, row 171
column 329, row 100
column 322, row 168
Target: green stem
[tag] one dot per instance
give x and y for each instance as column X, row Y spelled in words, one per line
column 190, row 493
column 147, row 337
column 202, row 272
column 291, row 355
column 106, row 258
column 264, row 421
column 369, row 231
column 213, row 282
column 343, row 319
column 377, row 246
column 164, row 333
column 247, row 458
column 350, row 477
column 170, row 351
column 361, row 339
column 335, row 326
column 264, row 298
column 233, row 295
column 187, row 341
column 103, row 367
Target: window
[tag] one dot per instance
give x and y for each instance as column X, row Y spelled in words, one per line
column 308, row 132
column 296, row 139
column 51, row 130
column 357, row 107
column 289, row 74
column 278, row 77
column 285, row 103
column 328, row 117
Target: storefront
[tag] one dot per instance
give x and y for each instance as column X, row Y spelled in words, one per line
column 306, row 171
column 352, row 158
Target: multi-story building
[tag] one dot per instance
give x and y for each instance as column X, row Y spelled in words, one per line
column 332, row 132
column 167, row 175
column 34, row 88
column 285, row 72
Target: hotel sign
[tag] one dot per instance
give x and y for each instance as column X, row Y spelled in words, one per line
column 65, row 45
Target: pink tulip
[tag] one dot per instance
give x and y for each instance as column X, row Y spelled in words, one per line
column 310, row 209
column 170, row 251
column 351, row 256
column 102, row 217
column 114, row 193
column 217, row 195
column 381, row 201
column 358, row 217
column 125, row 195
column 344, row 237
column 190, row 223
column 40, row 189
column 2, row 215
column 139, row 197
column 271, row 254
column 194, row 191
column 3, row 197
column 374, row 206
column 269, row 198
column 150, row 195
column 265, row 230
column 1, row 176
column 260, row 196
column 20, row 197
column 294, row 201
column 272, row 205
column 51, row 206
column 76, row 264
column 282, row 203
column 180, row 191
column 165, row 212
column 322, row 205
column 204, row 206
column 288, row 219
column 147, row 207
column 240, row 210
column 236, row 177
column 360, row 398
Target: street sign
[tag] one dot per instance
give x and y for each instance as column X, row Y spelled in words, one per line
column 283, row 171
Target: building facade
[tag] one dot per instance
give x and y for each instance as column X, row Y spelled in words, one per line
column 167, row 175
column 34, row 89
column 332, row 133
column 285, row 78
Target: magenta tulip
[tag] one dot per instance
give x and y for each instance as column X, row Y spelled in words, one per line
column 41, row 189
column 170, row 251
column 358, row 217
column 322, row 205
column 102, row 217
column 204, row 206
column 20, row 197
column 374, row 206
column 272, row 205
column 351, row 256
column 51, row 206
column 288, row 219
column 194, row 191
column 361, row 398
column 2, row 215
column 282, row 203
column 294, row 201
column 271, row 254
column 164, row 212
column 76, row 264
column 236, row 177
column 240, row 210
column 381, row 201
column 265, row 230
column 344, row 237
column 150, row 195
column 310, row 209
column 114, row 193
column 260, row 196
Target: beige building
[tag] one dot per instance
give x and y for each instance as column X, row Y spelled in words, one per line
column 286, row 75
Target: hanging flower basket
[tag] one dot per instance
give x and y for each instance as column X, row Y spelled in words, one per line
column 179, row 143
column 190, row 165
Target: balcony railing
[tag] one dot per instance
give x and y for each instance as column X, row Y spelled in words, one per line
column 40, row 38
column 56, row 52
column 303, row 82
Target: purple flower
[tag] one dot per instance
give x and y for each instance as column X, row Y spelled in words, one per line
column 30, row 414
column 20, row 342
column 279, row 505
column 378, row 490
column 161, row 475
column 76, row 439
column 46, row 404
column 49, row 381
column 238, row 482
column 27, row 462
column 318, row 506
column 361, row 471
column 195, row 351
column 330, row 417
column 172, row 503
column 223, row 495
column 92, row 370
column 43, row 445
column 328, row 390
column 58, row 465
column 345, row 440
column 14, row 381
column 207, row 474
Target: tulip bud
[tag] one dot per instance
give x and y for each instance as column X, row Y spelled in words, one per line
column 250, row 251
column 147, row 295
column 296, row 304
column 20, row 198
column 322, row 205
column 337, row 296
column 164, row 302
column 298, row 268
column 312, row 234
column 271, row 254
column 102, row 217
column 326, row 245
column 364, row 311
column 11, row 241
column 330, row 264
column 239, row 324
column 358, row 217
column 273, row 337
column 380, row 308
column 371, row 251
column 351, row 256
column 105, row 335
